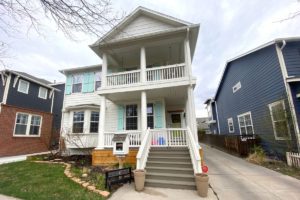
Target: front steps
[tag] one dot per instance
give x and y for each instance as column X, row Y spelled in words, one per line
column 170, row 168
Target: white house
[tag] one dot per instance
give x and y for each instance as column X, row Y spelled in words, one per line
column 144, row 88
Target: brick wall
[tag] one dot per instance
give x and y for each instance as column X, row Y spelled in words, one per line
column 10, row 145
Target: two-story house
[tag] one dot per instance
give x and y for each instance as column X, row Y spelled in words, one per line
column 144, row 89
column 259, row 95
column 26, row 113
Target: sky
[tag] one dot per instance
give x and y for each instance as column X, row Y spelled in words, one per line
column 227, row 28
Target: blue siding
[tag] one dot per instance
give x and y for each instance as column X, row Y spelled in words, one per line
column 57, row 106
column 295, row 89
column 261, row 84
column 214, row 127
column 1, row 89
column 30, row 100
column 291, row 54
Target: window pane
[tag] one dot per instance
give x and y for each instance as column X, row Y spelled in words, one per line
column 282, row 129
column 150, row 122
column 97, row 85
column 242, row 121
column 176, row 118
column 22, row 119
column 34, row 130
column 23, row 86
column 77, row 88
column 78, row 122
column 35, row 120
column 131, row 123
column 94, row 127
column 131, row 110
column 78, row 116
column 149, row 109
column 95, row 116
column 77, row 78
column 249, row 130
column 243, row 131
column 78, row 127
column 20, row 129
column 43, row 92
column 278, row 112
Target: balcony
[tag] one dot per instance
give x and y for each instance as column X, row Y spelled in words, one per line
column 154, row 74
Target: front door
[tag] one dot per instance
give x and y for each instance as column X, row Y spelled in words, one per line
column 176, row 120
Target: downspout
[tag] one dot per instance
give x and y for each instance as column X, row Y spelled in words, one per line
column 288, row 90
column 217, row 117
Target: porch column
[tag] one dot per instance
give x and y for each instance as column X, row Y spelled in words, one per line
column 143, row 64
column 187, row 56
column 101, row 123
column 104, row 70
column 192, row 112
column 143, row 113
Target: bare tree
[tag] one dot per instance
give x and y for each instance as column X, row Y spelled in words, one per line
column 92, row 17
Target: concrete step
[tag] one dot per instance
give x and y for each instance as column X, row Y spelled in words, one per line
column 171, row 170
column 169, row 164
column 169, row 176
column 186, row 159
column 169, row 149
column 169, row 154
column 171, row 184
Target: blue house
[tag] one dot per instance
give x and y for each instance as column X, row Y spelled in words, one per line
column 259, row 96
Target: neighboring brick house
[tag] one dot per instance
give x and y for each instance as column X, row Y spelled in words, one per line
column 26, row 113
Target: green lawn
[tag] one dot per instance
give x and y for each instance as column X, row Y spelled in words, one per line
column 28, row 180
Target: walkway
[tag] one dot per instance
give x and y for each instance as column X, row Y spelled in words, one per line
column 234, row 178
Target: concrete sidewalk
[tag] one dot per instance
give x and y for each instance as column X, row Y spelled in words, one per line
column 127, row 192
column 234, row 178
column 3, row 197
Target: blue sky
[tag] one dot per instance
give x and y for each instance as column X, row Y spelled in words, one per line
column 228, row 28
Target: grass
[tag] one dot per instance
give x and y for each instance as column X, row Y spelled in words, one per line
column 282, row 167
column 29, row 180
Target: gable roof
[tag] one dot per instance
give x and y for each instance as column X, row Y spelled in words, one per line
column 275, row 41
column 80, row 69
column 138, row 12
column 31, row 78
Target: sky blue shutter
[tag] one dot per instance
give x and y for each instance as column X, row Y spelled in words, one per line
column 158, row 115
column 85, row 83
column 91, row 84
column 68, row 85
column 120, row 117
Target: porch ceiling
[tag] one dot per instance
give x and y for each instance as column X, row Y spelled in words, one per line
column 172, row 95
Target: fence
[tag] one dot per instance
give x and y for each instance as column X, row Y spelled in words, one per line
column 293, row 159
column 239, row 144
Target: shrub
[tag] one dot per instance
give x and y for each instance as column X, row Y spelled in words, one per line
column 257, row 155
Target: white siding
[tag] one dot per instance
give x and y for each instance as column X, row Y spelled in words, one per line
column 111, row 120
column 81, row 99
column 140, row 26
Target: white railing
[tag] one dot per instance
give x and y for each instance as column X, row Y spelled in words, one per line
column 123, row 78
column 134, row 138
column 144, row 149
column 166, row 72
column 176, row 137
column 194, row 152
column 293, row 159
column 81, row 140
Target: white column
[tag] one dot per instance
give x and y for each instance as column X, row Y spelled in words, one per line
column 143, row 113
column 192, row 112
column 143, row 64
column 187, row 57
column 101, row 123
column 104, row 70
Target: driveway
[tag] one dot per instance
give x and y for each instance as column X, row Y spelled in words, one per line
column 234, row 178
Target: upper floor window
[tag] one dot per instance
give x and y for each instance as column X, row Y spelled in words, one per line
column 43, row 93
column 236, row 87
column 23, row 86
column 77, row 83
column 245, row 123
column 97, row 81
column 131, row 117
column 94, row 122
column 78, row 122
column 27, row 125
column 230, row 125
column 279, row 120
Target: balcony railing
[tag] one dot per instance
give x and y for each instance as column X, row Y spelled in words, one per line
column 123, row 78
column 152, row 74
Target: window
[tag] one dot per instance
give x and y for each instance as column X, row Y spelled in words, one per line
column 43, row 93
column 131, row 117
column 230, row 125
column 279, row 120
column 150, row 118
column 27, row 125
column 94, row 123
column 77, row 83
column 23, row 86
column 97, row 81
column 245, row 123
column 236, row 87
column 78, row 122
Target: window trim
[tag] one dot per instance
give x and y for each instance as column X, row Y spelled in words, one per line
column 273, row 123
column 28, row 125
column 84, row 121
column 90, row 121
column 230, row 119
column 28, row 85
column 137, row 116
column 46, row 94
column 242, row 115
column 237, row 87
